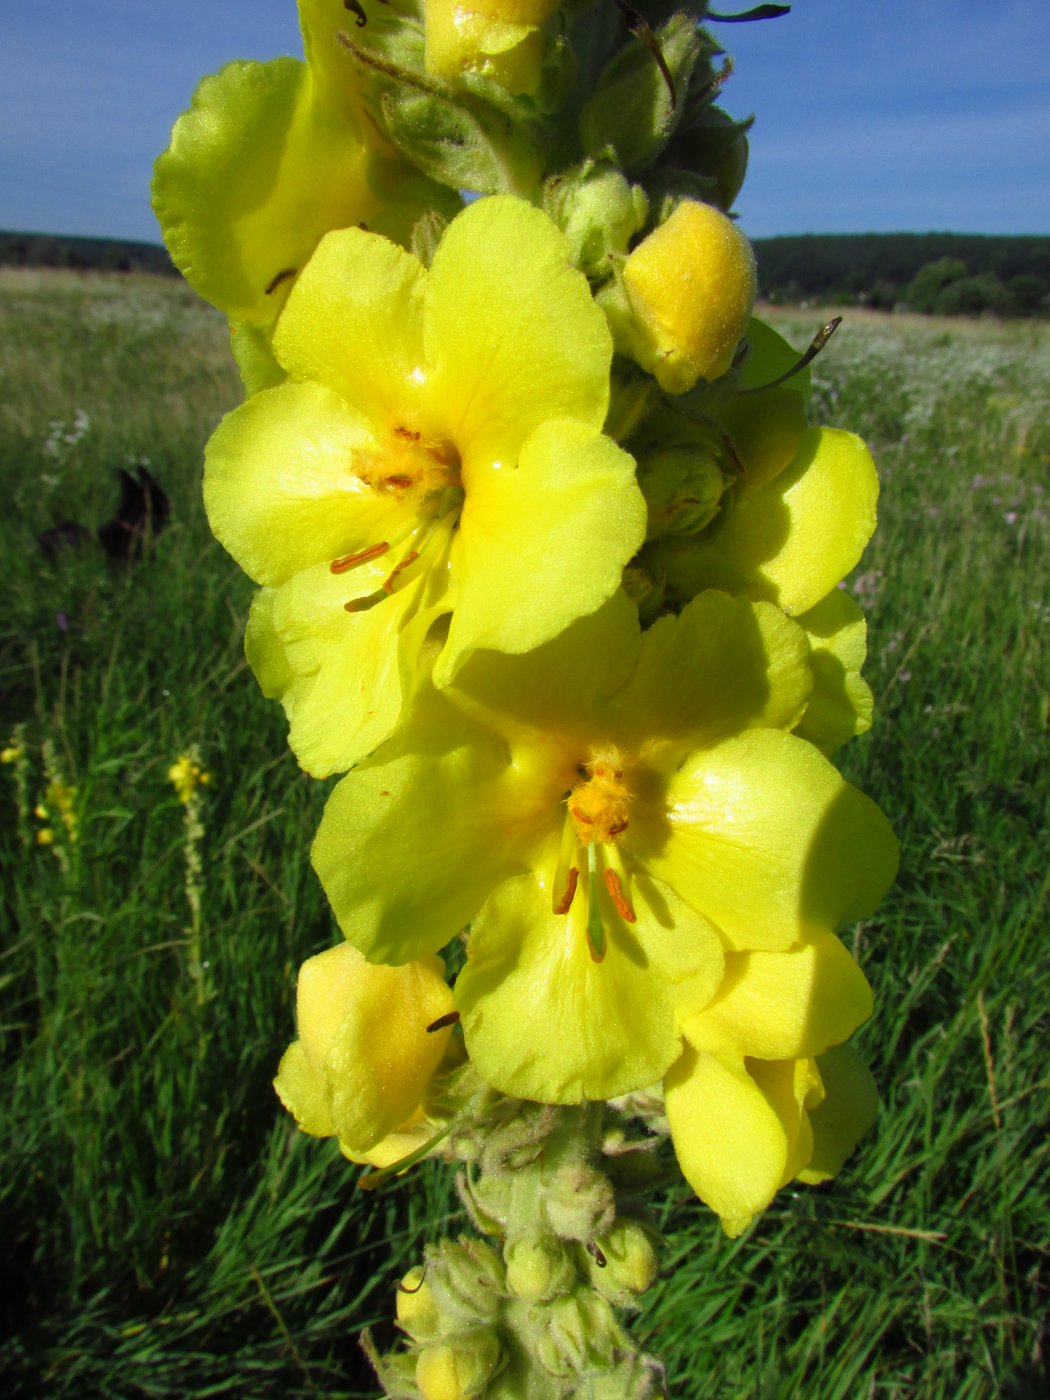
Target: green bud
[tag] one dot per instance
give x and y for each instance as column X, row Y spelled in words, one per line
column 538, row 1267
column 417, row 1312
column 580, row 1202
column 459, row 1369
column 468, row 1281
column 632, row 115
column 684, row 469
column 631, row 1264
column 463, row 142
column 581, row 1332
column 598, row 210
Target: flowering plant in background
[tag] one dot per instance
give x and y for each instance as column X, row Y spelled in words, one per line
column 548, row 557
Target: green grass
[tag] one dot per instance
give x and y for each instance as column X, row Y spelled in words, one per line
column 168, row 1232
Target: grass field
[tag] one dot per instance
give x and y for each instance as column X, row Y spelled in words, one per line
column 168, row 1233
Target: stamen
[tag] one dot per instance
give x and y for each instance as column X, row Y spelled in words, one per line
column 449, row 1019
column 595, row 927
column 410, row 558
column 350, row 561
column 623, row 908
column 565, row 903
column 357, row 605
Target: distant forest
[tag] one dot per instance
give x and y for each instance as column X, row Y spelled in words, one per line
column 946, row 274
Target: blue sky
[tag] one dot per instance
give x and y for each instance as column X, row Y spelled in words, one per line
column 872, row 114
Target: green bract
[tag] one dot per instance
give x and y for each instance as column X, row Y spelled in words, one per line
column 436, row 450
column 645, row 788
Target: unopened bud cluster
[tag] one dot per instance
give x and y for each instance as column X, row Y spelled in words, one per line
column 535, row 1302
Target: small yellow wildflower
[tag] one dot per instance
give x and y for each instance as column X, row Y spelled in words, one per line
column 59, row 800
column 186, row 775
column 11, row 754
column 46, row 835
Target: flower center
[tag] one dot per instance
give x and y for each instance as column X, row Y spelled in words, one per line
column 598, row 815
column 406, row 463
column 425, row 478
column 600, row 804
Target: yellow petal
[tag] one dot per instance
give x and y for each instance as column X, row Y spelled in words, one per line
column 840, row 705
column 722, row 665
column 353, row 323
column 363, row 1028
column 544, row 1021
column 792, row 541
column 730, row 1137
column 300, row 1087
column 412, row 842
column 543, row 544
column 512, row 334
column 278, row 484
column 783, row 1006
column 256, row 172
column 849, row 1108
column 761, row 834
column 344, row 678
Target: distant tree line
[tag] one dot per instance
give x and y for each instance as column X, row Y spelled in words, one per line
column 82, row 254
column 946, row 274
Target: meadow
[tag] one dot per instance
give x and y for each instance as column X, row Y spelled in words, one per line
column 166, row 1230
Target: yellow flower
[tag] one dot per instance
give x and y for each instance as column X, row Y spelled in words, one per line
column 610, row 813
column 59, row 800
column 761, row 1096
column 499, row 39
column 186, row 775
column 436, row 450
column 11, row 754
column 689, row 287
column 267, row 159
column 365, row 1058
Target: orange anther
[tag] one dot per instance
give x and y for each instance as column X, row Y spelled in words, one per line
column 350, row 561
column 565, row 903
column 581, row 816
column 612, row 884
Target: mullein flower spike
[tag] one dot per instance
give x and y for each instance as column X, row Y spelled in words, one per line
column 548, row 560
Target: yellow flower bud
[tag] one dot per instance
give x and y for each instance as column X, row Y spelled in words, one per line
column 458, row 1370
column 690, row 286
column 417, row 1312
column 500, row 39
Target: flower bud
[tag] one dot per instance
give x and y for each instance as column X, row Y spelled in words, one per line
column 579, row 1202
column 598, row 210
column 417, row 1312
column 499, row 39
column 631, row 1264
column 684, row 468
column 579, row 1332
column 684, row 298
column 460, row 1369
column 468, row 1281
column 538, row 1267
column 633, row 113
